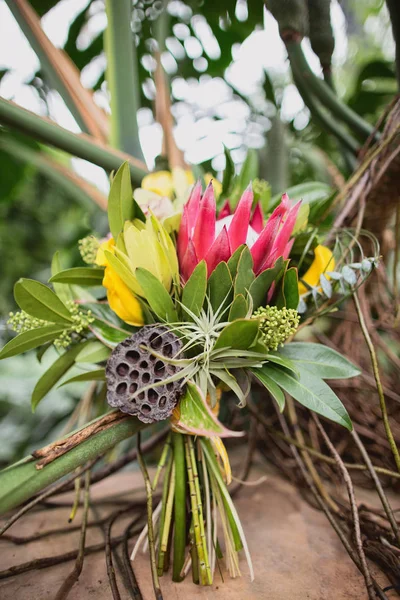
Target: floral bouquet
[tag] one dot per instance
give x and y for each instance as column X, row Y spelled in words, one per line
column 185, row 309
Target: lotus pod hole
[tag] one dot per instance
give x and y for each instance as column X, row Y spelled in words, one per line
column 132, row 367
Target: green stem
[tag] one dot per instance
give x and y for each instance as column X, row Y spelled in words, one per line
column 150, row 530
column 179, row 506
column 319, row 88
column 83, row 146
column 375, row 368
column 21, row 481
column 122, row 77
column 162, row 462
column 166, row 513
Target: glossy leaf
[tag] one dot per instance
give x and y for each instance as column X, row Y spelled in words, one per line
column 93, row 352
column 220, row 287
column 194, row 292
column 291, row 288
column 271, row 386
column 41, row 302
column 49, row 379
column 320, row 360
column 157, row 296
column 196, row 417
column 239, row 308
column 234, row 260
column 85, row 276
column 261, row 284
column 97, row 375
column 245, row 275
column 120, row 201
column 239, row 335
column 312, row 392
column 30, row 340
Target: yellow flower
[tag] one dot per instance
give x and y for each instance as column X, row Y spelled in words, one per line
column 107, row 244
column 159, row 182
column 121, row 299
column 323, row 260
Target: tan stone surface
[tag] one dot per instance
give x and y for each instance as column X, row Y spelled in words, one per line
column 295, row 553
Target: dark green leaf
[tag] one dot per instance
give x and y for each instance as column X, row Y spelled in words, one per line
column 320, row 360
column 239, row 308
column 220, row 286
column 31, row 339
column 271, row 386
column 291, row 288
column 261, row 285
column 245, row 276
column 194, row 292
column 120, row 201
column 157, row 296
column 85, row 276
column 54, row 374
column 97, row 375
column 312, row 392
column 41, row 302
column 234, row 260
column 239, row 335
column 229, row 173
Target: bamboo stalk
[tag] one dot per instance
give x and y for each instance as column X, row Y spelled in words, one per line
column 82, row 146
column 179, row 506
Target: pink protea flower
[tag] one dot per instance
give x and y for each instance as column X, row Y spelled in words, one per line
column 204, row 236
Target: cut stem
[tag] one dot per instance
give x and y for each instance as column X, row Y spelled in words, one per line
column 179, row 506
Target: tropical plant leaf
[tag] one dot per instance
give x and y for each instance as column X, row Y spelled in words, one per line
column 312, row 392
column 261, row 284
column 97, row 375
column 85, row 276
column 54, row 374
column 157, row 296
column 234, row 260
column 271, row 386
column 245, row 275
column 63, row 292
column 220, row 287
column 108, row 334
column 240, row 335
column 194, row 292
column 120, row 201
column 291, row 288
column 239, row 308
column 93, row 352
column 41, row 302
column 30, row 340
column 196, row 417
column 320, row 360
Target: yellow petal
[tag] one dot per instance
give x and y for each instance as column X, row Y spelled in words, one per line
column 160, row 182
column 109, row 245
column 323, row 260
column 223, row 455
column 121, row 299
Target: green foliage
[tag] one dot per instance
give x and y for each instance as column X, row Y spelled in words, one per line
column 194, row 292
column 120, row 201
column 30, row 340
column 157, row 296
column 84, row 276
column 320, row 360
column 239, row 335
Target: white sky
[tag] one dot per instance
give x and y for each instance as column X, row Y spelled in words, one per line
column 197, row 132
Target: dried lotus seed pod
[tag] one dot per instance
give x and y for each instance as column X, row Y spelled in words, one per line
column 131, row 367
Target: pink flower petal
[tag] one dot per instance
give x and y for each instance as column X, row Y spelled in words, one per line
column 240, row 223
column 189, row 261
column 193, row 205
column 225, row 210
column 204, row 230
column 257, row 221
column 286, row 231
column 262, row 247
column 220, row 251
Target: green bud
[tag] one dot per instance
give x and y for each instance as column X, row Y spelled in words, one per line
column 276, row 324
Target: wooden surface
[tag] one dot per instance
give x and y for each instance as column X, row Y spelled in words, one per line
column 295, row 552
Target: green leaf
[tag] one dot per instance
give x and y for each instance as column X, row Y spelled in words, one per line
column 108, row 334
column 122, row 271
column 41, row 302
column 194, row 292
column 86, row 276
column 97, row 375
column 291, row 288
column 240, row 335
column 197, row 418
column 312, row 392
column 271, row 386
column 220, row 287
column 54, row 374
column 30, row 340
column 320, row 360
column 239, row 308
column 93, row 352
column 234, row 260
column 245, row 276
column 62, row 291
column 229, row 173
column 120, row 201
column 157, row 296
column 310, row 193
column 283, row 361
column 261, row 285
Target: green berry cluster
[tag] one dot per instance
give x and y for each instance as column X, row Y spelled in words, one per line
column 276, row 324
column 81, row 319
column 88, row 247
